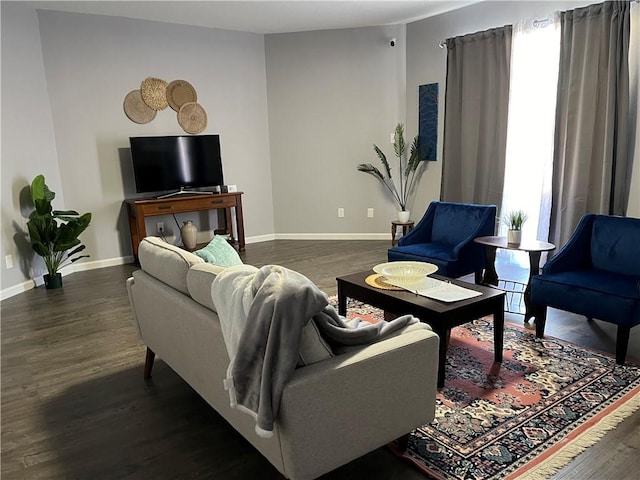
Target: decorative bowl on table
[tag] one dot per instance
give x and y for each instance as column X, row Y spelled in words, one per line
column 405, row 273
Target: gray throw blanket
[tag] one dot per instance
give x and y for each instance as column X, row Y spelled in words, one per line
column 262, row 314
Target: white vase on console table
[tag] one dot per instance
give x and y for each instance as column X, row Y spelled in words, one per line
column 189, row 233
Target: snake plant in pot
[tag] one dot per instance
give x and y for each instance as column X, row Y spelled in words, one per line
column 514, row 220
column 406, row 167
column 54, row 233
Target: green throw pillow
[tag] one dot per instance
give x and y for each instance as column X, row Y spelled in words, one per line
column 219, row 252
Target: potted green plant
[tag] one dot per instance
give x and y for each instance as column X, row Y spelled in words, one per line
column 514, row 220
column 406, row 167
column 54, row 233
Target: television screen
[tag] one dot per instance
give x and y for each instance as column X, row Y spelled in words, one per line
column 176, row 162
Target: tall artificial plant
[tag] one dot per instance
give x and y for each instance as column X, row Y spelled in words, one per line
column 54, row 233
column 406, row 167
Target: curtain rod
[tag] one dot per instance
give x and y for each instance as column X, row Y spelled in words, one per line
column 443, row 43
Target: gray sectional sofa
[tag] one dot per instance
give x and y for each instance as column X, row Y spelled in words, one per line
column 332, row 411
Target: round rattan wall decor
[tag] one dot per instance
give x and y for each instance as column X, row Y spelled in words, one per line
column 180, row 92
column 154, row 93
column 136, row 109
column 192, row 117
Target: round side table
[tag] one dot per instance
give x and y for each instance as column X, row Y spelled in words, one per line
column 533, row 247
column 406, row 227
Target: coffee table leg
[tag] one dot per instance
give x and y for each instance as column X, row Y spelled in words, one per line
column 442, row 361
column 342, row 301
column 498, row 329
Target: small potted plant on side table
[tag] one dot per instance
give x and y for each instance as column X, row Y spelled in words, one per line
column 514, row 220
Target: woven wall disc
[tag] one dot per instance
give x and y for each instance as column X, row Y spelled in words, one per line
column 136, row 109
column 154, row 93
column 180, row 92
column 192, row 117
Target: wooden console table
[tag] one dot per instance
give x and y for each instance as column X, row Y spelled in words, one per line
column 142, row 208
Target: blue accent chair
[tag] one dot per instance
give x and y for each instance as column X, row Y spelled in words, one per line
column 596, row 274
column 444, row 236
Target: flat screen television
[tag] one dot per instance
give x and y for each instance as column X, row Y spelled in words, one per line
column 182, row 163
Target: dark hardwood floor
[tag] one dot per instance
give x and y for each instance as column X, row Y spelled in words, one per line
column 75, row 406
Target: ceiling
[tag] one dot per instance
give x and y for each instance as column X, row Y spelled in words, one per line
column 265, row 16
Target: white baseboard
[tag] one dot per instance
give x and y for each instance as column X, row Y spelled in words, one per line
column 260, row 238
column 16, row 289
column 110, row 262
column 333, row 236
column 67, row 270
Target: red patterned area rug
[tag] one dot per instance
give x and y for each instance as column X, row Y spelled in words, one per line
column 525, row 418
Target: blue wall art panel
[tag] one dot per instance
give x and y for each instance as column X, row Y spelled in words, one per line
column 428, row 120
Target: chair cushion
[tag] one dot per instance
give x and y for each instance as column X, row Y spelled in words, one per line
column 436, row 251
column 594, row 293
column 614, row 244
column 166, row 262
column 439, row 255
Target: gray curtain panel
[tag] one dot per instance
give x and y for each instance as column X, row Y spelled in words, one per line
column 592, row 168
column 475, row 125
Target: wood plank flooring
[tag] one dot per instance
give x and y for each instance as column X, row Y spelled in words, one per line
column 74, row 404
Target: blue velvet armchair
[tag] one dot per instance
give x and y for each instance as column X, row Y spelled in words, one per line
column 596, row 274
column 444, row 236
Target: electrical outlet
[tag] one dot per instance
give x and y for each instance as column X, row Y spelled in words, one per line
column 340, row 212
column 393, row 138
column 160, row 227
column 369, row 212
column 8, row 261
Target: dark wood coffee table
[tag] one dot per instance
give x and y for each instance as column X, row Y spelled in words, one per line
column 440, row 316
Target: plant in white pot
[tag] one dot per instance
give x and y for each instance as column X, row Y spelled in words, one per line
column 406, row 167
column 514, row 220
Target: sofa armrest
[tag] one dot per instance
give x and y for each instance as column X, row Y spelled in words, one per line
column 342, row 408
column 575, row 253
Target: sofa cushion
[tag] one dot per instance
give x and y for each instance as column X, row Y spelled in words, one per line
column 594, row 293
column 166, row 262
column 219, row 252
column 199, row 280
column 313, row 348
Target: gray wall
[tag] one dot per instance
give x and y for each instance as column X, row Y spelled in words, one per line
column 64, row 79
column 28, row 144
column 332, row 94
